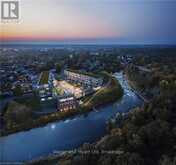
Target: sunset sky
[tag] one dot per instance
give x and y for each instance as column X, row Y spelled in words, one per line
column 93, row 21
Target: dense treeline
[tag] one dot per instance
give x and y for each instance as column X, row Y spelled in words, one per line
column 145, row 82
column 148, row 74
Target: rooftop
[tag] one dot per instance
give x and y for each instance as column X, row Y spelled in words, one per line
column 66, row 99
column 84, row 73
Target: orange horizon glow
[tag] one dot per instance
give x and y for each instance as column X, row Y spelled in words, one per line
column 61, row 22
column 20, row 32
column 22, row 35
column 49, row 37
column 99, row 20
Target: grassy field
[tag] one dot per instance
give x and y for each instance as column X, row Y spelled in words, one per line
column 44, row 78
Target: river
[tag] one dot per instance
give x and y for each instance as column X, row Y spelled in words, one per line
column 67, row 134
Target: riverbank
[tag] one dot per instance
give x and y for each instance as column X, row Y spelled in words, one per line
column 111, row 92
column 135, row 89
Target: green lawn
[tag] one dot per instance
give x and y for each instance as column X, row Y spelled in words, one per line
column 44, row 78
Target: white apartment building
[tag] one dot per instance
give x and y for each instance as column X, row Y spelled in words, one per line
column 82, row 78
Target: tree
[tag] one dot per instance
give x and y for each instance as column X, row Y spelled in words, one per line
column 164, row 84
column 17, row 113
column 165, row 160
column 18, row 91
column 58, row 68
column 129, row 159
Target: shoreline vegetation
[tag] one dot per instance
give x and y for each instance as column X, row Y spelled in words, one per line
column 44, row 78
column 136, row 89
column 110, row 92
